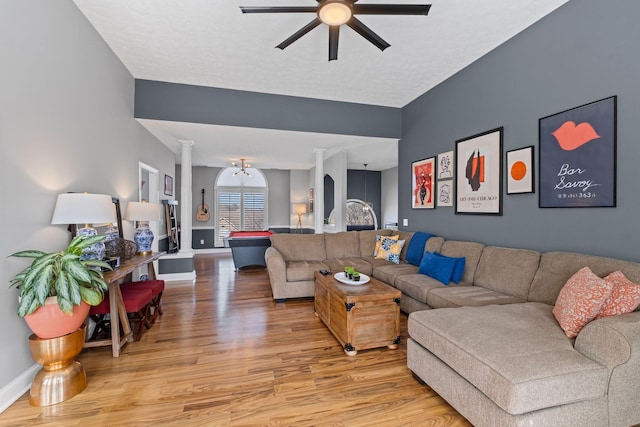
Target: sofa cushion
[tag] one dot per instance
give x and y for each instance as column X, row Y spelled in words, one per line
column 300, row 247
column 303, row 270
column 557, row 267
column 345, row 244
column 471, row 251
column 507, row 270
column 515, row 354
column 472, row 296
column 368, row 241
column 580, row 300
column 406, row 236
column 390, row 250
column 624, row 297
column 434, row 244
column 439, row 267
column 417, row 286
column 389, row 272
column 359, row 264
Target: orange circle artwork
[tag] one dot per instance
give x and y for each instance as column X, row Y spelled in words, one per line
column 518, row 170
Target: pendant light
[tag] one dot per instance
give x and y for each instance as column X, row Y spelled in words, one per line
column 366, row 204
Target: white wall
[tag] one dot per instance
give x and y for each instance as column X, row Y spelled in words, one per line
column 389, row 196
column 66, row 124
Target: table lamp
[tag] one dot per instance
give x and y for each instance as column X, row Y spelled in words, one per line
column 143, row 212
column 85, row 208
column 300, row 209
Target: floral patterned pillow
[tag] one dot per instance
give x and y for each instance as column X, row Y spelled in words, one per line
column 580, row 301
column 379, row 242
column 624, row 298
column 390, row 250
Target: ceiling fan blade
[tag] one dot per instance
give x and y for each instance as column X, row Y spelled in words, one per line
column 334, row 35
column 278, row 9
column 367, row 33
column 391, row 9
column 301, row 32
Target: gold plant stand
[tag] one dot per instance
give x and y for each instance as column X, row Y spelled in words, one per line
column 61, row 377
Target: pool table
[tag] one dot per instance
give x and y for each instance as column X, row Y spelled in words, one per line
column 248, row 247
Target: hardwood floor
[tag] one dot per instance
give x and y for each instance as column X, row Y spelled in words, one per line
column 224, row 354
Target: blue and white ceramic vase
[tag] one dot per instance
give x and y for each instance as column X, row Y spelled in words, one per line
column 95, row 251
column 143, row 238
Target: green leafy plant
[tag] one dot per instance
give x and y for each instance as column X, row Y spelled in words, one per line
column 61, row 274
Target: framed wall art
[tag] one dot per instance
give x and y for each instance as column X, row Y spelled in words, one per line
column 445, row 165
column 520, row 171
column 168, row 185
column 577, row 156
column 479, row 174
column 445, row 192
column 422, row 182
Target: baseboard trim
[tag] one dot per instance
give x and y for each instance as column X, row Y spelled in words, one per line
column 178, row 277
column 16, row 388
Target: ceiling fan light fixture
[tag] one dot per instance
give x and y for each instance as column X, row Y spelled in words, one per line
column 335, row 12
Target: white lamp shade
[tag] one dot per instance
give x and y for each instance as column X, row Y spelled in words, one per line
column 300, row 208
column 83, row 208
column 142, row 211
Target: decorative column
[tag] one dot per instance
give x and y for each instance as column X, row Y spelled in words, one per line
column 318, row 192
column 186, row 197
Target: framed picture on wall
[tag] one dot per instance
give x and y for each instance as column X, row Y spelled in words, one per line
column 445, row 192
column 422, row 183
column 479, row 174
column 445, row 165
column 168, row 185
column 520, row 173
column 578, row 157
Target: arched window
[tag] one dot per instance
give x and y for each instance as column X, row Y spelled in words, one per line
column 241, row 202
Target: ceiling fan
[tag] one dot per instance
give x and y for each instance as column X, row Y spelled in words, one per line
column 334, row 13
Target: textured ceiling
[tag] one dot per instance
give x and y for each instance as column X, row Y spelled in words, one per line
column 211, row 43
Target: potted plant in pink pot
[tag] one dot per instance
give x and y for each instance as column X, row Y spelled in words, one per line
column 57, row 289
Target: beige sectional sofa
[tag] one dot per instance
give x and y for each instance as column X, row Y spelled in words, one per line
column 491, row 345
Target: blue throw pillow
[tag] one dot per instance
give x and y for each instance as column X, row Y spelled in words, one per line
column 458, row 270
column 439, row 267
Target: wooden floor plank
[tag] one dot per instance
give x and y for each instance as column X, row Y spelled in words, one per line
column 225, row 354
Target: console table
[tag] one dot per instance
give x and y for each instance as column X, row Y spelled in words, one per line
column 117, row 310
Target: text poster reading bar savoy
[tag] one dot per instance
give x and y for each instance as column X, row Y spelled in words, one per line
column 578, row 157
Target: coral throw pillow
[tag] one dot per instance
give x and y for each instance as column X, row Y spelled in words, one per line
column 624, row 298
column 390, row 250
column 379, row 242
column 580, row 301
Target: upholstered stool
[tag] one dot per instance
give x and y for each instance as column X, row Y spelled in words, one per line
column 156, row 287
column 137, row 303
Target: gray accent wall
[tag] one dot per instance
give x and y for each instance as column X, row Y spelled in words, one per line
column 585, row 51
column 356, row 189
column 197, row 104
column 66, row 124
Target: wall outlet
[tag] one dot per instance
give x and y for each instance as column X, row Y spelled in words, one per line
column 405, row 222
column 201, row 241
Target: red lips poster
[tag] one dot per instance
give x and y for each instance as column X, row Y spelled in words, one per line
column 578, row 156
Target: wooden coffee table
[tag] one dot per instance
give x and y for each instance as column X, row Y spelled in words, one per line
column 359, row 316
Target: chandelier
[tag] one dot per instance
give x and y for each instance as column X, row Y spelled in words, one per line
column 242, row 168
